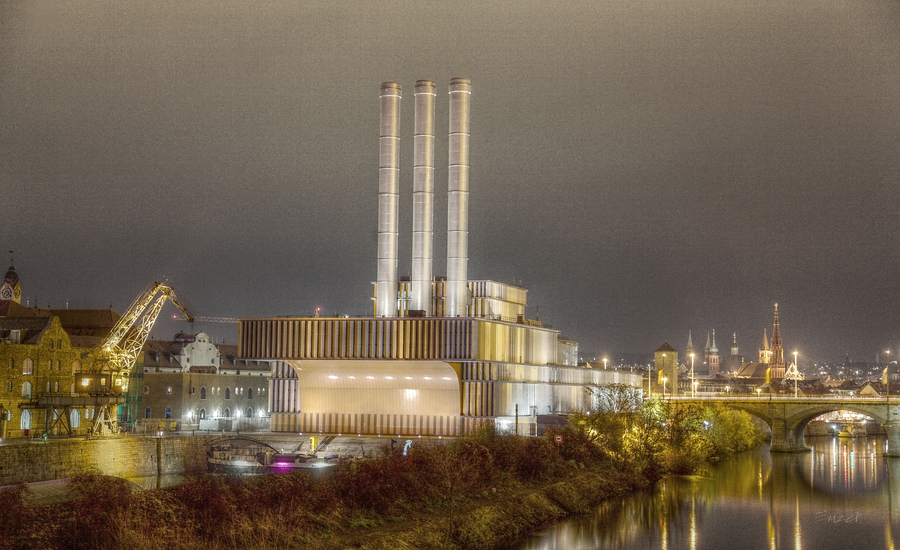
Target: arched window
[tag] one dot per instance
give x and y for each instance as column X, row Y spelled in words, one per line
column 27, row 366
column 249, row 412
column 168, row 412
column 202, row 414
column 203, row 392
column 249, row 393
column 58, row 365
column 74, row 419
column 146, row 389
column 26, row 393
column 56, row 387
column 227, row 413
column 147, row 412
column 9, row 385
column 25, row 420
column 76, row 366
column 49, row 364
column 12, row 364
column 227, row 393
column 48, row 387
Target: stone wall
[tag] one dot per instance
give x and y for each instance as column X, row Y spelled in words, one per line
column 123, row 457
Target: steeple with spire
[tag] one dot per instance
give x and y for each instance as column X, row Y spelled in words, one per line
column 712, row 357
column 734, row 346
column 765, row 353
column 690, row 346
column 777, row 361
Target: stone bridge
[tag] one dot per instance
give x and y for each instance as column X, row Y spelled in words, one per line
column 788, row 416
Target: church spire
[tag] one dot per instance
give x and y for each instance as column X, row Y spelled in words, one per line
column 777, row 349
column 690, row 346
column 714, row 349
column 734, row 346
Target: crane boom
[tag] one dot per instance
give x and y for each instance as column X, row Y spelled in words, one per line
column 115, row 357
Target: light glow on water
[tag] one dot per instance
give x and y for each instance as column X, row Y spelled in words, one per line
column 843, row 494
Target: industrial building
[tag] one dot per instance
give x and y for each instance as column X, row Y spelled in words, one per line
column 438, row 355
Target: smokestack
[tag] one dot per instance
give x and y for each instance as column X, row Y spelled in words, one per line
column 423, row 199
column 458, row 199
column 388, row 196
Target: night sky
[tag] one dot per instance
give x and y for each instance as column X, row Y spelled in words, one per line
column 644, row 168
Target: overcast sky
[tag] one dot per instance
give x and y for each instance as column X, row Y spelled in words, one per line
column 644, row 168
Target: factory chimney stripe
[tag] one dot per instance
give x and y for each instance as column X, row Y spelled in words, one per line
column 458, row 199
column 423, row 199
column 388, row 198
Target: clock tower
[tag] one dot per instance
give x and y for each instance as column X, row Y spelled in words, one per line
column 10, row 289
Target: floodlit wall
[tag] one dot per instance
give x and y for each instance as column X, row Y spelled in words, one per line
column 375, row 397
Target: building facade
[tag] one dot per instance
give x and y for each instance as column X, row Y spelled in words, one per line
column 179, row 383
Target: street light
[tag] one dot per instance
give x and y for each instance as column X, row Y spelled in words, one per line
column 758, row 392
column 604, row 363
column 887, row 373
column 664, row 387
column 693, row 384
column 727, row 390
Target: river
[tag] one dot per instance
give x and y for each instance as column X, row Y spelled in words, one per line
column 842, row 495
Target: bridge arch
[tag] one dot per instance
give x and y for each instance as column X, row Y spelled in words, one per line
column 787, row 417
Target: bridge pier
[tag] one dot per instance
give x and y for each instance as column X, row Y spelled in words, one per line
column 787, row 438
column 893, row 434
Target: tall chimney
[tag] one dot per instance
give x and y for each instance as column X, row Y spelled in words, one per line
column 423, row 199
column 388, row 196
column 458, row 199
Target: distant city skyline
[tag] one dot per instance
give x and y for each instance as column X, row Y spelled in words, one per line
column 643, row 169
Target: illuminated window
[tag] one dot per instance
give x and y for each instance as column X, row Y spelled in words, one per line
column 27, row 366
column 25, row 420
column 169, row 390
column 56, row 387
column 74, row 418
column 26, row 390
column 202, row 414
column 168, row 412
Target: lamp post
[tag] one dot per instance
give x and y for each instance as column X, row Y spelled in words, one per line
column 797, row 375
column 693, row 384
column 727, row 390
column 758, row 392
column 664, row 387
column 604, row 363
column 887, row 373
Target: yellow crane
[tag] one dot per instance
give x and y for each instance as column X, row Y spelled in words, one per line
column 111, row 363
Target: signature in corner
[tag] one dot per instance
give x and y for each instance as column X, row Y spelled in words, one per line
column 824, row 517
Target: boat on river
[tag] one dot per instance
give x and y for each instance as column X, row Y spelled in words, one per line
column 231, row 459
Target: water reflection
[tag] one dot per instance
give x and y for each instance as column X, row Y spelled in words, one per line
column 841, row 495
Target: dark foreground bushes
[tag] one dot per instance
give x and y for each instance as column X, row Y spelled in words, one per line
column 295, row 510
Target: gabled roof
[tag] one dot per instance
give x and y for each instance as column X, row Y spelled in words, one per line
column 32, row 328
column 87, row 322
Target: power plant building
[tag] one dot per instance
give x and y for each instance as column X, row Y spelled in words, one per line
column 438, row 355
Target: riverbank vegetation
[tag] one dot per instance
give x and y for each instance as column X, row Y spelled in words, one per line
column 480, row 491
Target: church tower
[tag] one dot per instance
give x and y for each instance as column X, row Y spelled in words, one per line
column 689, row 350
column 777, row 360
column 10, row 289
column 713, row 355
column 734, row 346
column 765, row 354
